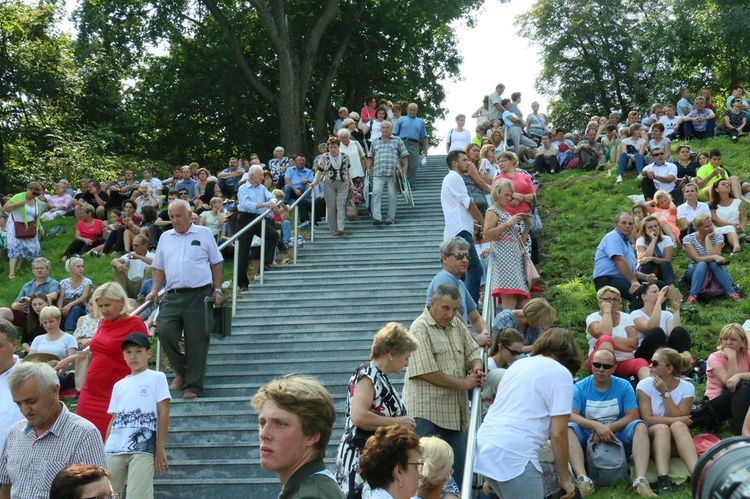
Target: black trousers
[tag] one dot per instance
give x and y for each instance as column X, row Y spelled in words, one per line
column 679, row 339
column 734, row 406
column 246, row 253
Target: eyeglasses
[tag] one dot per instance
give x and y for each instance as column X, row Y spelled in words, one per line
column 104, row 496
column 461, row 256
column 654, row 363
column 656, row 154
column 599, row 365
column 610, row 300
column 514, row 353
column 419, row 465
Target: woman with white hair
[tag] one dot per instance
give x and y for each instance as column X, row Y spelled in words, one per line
column 278, row 165
column 435, row 480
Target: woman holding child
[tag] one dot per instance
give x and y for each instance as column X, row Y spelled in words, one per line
column 107, row 365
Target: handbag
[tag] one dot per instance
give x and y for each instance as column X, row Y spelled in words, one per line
column 536, row 220
column 529, row 269
column 359, row 438
column 83, row 358
column 24, row 230
column 352, row 212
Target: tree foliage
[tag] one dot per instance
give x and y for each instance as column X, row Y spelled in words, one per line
column 603, row 56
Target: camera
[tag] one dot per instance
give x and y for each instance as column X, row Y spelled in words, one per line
column 723, row 471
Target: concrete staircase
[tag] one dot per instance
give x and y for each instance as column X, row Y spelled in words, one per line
column 317, row 317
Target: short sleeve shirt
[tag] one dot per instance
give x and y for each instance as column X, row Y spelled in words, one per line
column 613, row 244
column 451, row 351
column 692, row 240
column 688, row 213
column 683, row 390
column 604, row 407
column 186, row 259
column 467, row 303
column 387, row 155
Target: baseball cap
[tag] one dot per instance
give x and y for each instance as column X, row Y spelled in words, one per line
column 139, row 339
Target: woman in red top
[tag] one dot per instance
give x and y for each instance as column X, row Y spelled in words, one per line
column 368, row 112
column 523, row 185
column 107, row 365
column 90, row 232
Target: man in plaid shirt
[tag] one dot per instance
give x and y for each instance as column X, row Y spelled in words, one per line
column 386, row 153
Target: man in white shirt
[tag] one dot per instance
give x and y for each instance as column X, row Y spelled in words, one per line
column 132, row 269
column 659, row 175
column 9, row 411
column 148, row 178
column 670, row 122
column 460, row 213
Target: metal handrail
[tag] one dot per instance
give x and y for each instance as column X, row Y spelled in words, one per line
column 475, row 418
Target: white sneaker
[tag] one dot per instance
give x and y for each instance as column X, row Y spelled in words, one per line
column 619, row 179
column 639, row 177
column 585, row 486
column 642, row 488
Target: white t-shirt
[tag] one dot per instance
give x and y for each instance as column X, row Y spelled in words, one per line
column 134, row 400
column 9, row 412
column 683, row 390
column 670, row 125
column 455, row 200
column 687, row 212
column 518, row 422
column 458, row 140
column 617, row 332
column 58, row 347
column 666, row 242
column 155, row 184
column 136, row 267
column 663, row 171
column 665, row 318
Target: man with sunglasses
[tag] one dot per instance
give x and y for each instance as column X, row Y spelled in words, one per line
column 659, row 175
column 456, row 258
column 605, row 409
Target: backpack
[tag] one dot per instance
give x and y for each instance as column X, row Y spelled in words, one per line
column 606, row 462
column 703, row 415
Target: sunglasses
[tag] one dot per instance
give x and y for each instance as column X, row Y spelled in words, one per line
column 656, row 154
column 514, row 353
column 461, row 256
column 599, row 365
column 654, row 363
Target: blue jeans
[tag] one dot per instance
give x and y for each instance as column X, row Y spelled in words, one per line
column 71, row 320
column 456, row 439
column 473, row 277
column 622, row 163
column 625, row 435
column 697, row 272
column 286, row 231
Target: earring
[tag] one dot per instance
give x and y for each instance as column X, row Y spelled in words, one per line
column 399, row 485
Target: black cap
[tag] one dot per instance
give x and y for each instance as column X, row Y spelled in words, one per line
column 139, row 339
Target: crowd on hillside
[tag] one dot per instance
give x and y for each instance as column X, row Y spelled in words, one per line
column 637, row 395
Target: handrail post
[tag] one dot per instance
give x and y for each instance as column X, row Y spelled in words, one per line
column 312, row 215
column 475, row 419
column 262, row 248
column 235, row 272
column 294, row 237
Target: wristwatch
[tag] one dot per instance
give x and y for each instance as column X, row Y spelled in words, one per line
column 217, row 290
column 667, row 395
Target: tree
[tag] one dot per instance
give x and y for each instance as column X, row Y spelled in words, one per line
column 292, row 56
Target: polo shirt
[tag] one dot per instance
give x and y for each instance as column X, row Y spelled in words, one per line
column 30, row 463
column 232, row 181
column 186, row 184
column 48, row 286
column 455, row 201
column 186, row 259
column 663, row 171
column 450, row 350
column 611, row 245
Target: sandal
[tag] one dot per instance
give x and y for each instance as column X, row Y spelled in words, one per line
column 11, row 277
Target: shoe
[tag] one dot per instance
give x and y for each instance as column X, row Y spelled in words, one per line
column 746, row 197
column 178, row 383
column 619, row 179
column 735, row 297
column 639, row 177
column 95, row 254
column 389, row 222
column 188, row 395
column 304, row 224
column 642, row 488
column 256, row 278
column 377, row 222
column 663, row 485
column 536, row 289
column 691, row 299
column 734, row 139
column 585, row 486
column 340, row 232
column 552, row 170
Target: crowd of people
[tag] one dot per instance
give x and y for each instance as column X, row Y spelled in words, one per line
column 394, row 445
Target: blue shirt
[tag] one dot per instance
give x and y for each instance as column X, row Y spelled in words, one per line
column 611, row 245
column 232, row 181
column 48, row 286
column 250, row 196
column 410, row 128
column 467, row 303
column 684, row 103
column 604, row 407
column 187, row 184
column 295, row 176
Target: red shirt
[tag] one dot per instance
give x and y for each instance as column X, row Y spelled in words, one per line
column 93, row 232
column 523, row 185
